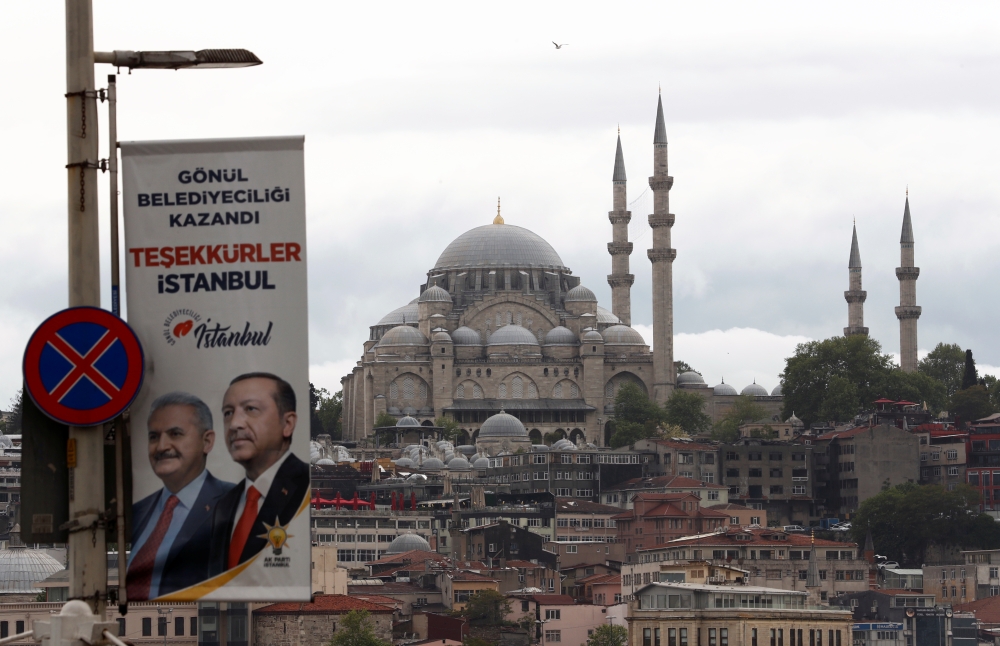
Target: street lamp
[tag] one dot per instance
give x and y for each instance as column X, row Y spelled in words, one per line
column 87, row 551
column 165, row 611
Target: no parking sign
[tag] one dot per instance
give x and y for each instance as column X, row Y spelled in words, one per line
column 83, row 366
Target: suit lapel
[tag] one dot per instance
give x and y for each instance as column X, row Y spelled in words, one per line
column 198, row 515
column 279, row 498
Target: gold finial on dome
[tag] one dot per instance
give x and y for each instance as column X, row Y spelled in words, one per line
column 498, row 219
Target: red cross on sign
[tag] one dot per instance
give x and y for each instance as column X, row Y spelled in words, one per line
column 83, row 366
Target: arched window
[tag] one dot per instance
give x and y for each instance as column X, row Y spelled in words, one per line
column 477, row 391
column 460, row 392
column 557, row 391
column 502, row 391
column 393, row 391
column 517, row 388
column 510, row 318
column 609, row 390
column 407, row 387
column 532, row 390
column 423, row 390
column 574, row 391
column 519, row 319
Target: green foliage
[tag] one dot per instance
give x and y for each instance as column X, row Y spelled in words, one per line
column 628, row 433
column 487, row 608
column 356, row 628
column 325, row 412
column 476, row 641
column 608, row 635
column 970, row 377
column 553, row 437
column 449, row 427
column 841, row 401
column 945, row 363
column 687, row 410
column 683, row 366
column 636, row 416
column 971, row 404
column 13, row 425
column 916, row 387
column 744, row 410
column 385, row 419
column 907, row 519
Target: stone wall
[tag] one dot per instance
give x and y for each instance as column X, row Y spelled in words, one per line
column 308, row 630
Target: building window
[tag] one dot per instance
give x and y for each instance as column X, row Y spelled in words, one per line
column 121, row 627
column 147, row 626
column 161, row 626
column 194, row 626
column 553, row 614
column 556, row 635
column 178, row 626
column 571, row 549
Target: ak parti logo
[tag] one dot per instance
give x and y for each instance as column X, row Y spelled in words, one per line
column 179, row 324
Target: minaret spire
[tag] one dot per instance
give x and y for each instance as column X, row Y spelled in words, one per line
column 908, row 312
column 619, row 247
column 662, row 258
column 855, row 296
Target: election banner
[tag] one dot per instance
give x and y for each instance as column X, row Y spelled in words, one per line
column 215, row 255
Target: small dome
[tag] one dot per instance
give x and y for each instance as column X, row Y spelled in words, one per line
column 409, row 313
column 563, row 445
column 441, row 337
column 690, row 377
column 512, row 335
column 777, row 391
column 466, row 336
column 560, row 336
column 580, row 293
column 605, row 317
column 435, row 294
column 539, row 448
column 22, row 568
column 481, row 463
column 795, row 421
column 459, row 464
column 404, row 462
column 466, row 449
column 502, row 425
column 431, row 463
column 725, row 389
column 407, row 543
column 402, row 335
column 622, row 335
column 315, row 451
column 407, row 422
column 592, row 336
column 755, row 390
column 325, row 462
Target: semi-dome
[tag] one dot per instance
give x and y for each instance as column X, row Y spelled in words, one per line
column 605, row 317
column 499, row 245
column 481, row 463
column 404, row 462
column 690, row 378
column 622, row 335
column 512, row 335
column 407, row 422
column 466, row 336
column 502, row 425
column 402, row 335
column 435, row 294
column 724, row 389
column 592, row 336
column 560, row 335
column 459, row 464
column 754, row 390
column 404, row 315
column 580, row 293
column 432, row 463
column 408, row 543
column 21, row 569
column 777, row 392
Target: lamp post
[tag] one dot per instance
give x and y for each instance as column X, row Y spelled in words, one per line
column 87, row 551
column 165, row 611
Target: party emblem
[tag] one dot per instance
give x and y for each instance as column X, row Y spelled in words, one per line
column 277, row 535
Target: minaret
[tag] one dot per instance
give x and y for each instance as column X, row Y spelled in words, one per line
column 855, row 296
column 619, row 247
column 908, row 312
column 662, row 257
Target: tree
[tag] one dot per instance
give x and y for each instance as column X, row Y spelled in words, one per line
column 687, row 411
column 683, row 366
column 916, row 387
column 449, row 427
column 384, row 419
column 636, row 416
column 608, row 635
column 971, row 404
column 945, row 363
column 357, row 629
column 12, row 426
column 487, row 608
column 969, row 375
column 330, row 412
column 841, row 401
column 744, row 410
column 907, row 519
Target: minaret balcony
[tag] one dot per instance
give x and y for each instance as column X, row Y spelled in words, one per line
column 660, row 220
column 855, row 296
column 619, row 248
column 620, row 217
column 907, row 273
column 661, row 183
column 854, row 331
column 660, row 255
column 908, row 312
column 621, row 280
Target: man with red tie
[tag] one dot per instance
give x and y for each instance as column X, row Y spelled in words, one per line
column 259, row 418
column 171, row 527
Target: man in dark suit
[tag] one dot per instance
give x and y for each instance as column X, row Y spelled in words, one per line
column 170, row 528
column 259, row 418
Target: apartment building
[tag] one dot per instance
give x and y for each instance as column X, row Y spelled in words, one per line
column 364, row 535
column 621, row 495
column 950, row 584
column 983, row 463
column 657, row 518
column 682, row 457
column 982, row 567
column 942, row 455
column 771, row 475
column 584, row 521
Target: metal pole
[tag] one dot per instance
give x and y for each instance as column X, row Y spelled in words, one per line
column 87, row 554
column 113, row 195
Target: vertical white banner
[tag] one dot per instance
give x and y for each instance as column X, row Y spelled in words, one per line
column 215, row 258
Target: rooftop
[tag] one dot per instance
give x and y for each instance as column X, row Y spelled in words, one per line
column 741, row 589
column 548, row 599
column 758, row 536
column 659, row 482
column 577, row 506
column 324, row 604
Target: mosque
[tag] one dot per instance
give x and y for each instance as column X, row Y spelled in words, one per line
column 501, row 324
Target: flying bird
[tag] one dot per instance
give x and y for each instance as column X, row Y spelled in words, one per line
column 558, row 46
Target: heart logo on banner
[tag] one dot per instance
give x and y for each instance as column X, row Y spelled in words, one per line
column 181, row 329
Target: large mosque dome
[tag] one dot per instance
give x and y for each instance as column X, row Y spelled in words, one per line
column 499, row 245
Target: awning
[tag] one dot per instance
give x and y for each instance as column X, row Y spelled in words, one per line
column 496, row 405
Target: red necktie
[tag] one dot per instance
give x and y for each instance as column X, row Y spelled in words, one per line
column 242, row 531
column 140, row 573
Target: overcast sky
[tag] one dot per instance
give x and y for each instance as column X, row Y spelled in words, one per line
column 786, row 121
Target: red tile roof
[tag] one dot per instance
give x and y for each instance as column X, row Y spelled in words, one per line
column 528, row 565
column 324, row 604
column 730, row 506
column 575, row 505
column 661, row 482
column 599, row 579
column 548, row 599
column 409, row 557
column 461, row 575
column 760, row 536
column 987, row 610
